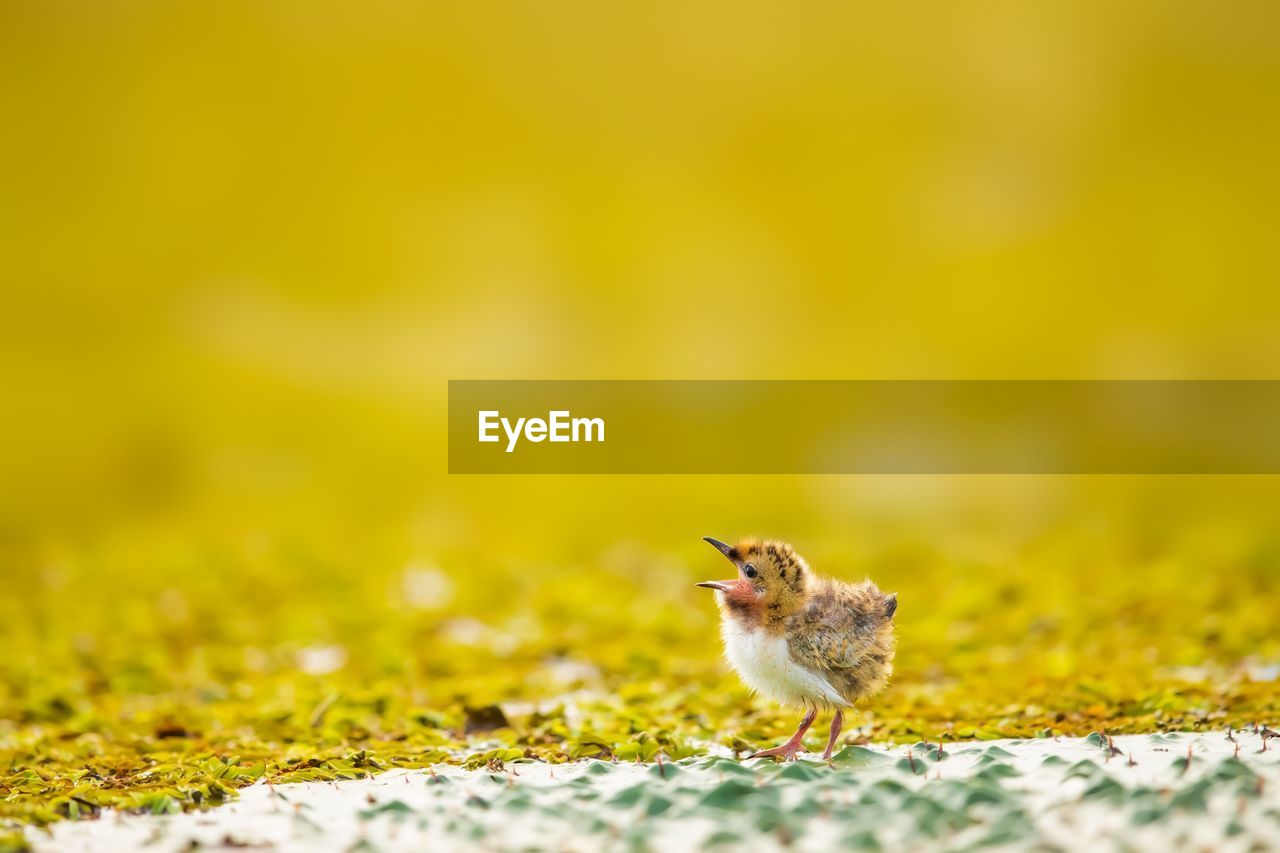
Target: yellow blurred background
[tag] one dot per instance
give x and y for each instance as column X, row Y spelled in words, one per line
column 245, row 244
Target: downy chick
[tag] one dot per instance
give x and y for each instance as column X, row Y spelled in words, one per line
column 801, row 639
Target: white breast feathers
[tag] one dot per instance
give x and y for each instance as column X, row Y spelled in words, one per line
column 765, row 665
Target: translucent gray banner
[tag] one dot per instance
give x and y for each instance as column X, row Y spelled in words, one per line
column 864, row 427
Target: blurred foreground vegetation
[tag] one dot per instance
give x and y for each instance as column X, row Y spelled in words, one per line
column 159, row 664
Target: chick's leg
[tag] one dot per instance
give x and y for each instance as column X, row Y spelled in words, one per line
column 789, row 749
column 837, row 723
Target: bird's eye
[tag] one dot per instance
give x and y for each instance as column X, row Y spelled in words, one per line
column 749, row 570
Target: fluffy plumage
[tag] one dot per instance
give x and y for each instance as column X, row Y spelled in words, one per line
column 802, row 639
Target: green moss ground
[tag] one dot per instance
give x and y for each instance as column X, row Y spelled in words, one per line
column 144, row 673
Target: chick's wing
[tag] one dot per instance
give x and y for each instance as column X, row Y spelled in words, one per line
column 836, row 629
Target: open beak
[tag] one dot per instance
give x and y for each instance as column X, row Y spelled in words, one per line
column 727, row 550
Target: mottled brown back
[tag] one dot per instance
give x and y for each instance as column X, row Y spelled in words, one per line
column 845, row 631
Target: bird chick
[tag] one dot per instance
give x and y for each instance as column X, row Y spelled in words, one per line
column 801, row 639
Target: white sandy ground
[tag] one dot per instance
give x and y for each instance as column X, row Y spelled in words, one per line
column 1070, row 793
